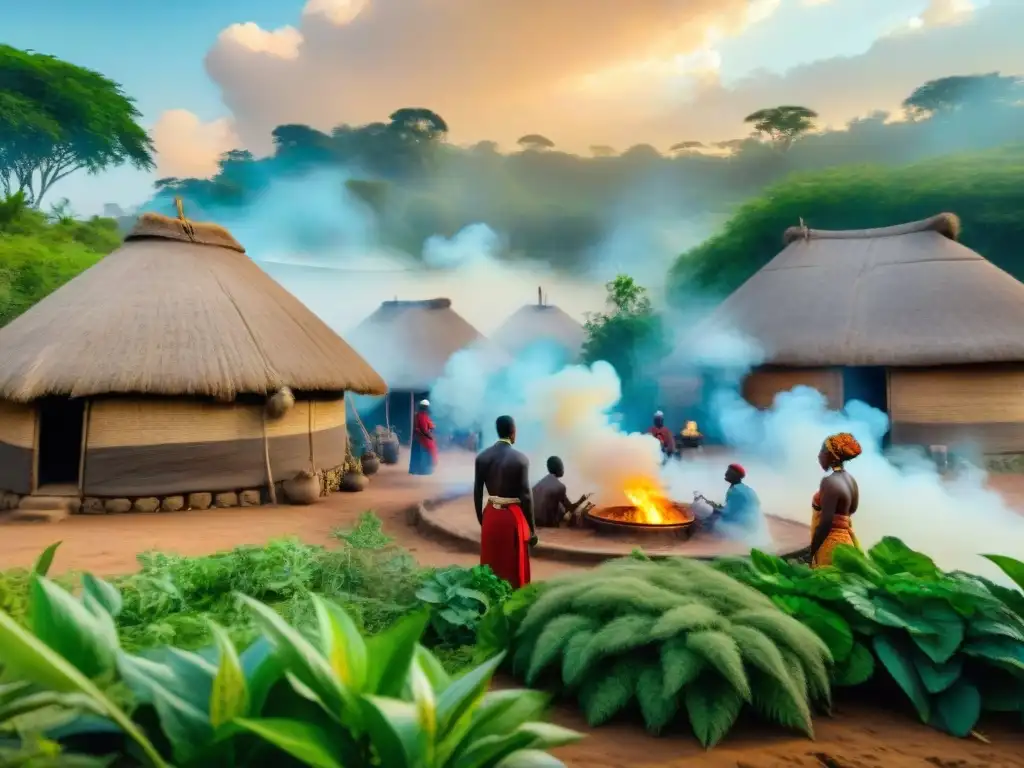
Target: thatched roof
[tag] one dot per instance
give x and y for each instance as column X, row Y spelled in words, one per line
column 538, row 322
column 909, row 295
column 178, row 309
column 410, row 342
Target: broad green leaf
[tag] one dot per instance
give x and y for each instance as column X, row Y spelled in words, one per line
column 394, row 730
column 462, row 695
column 501, row 712
column 184, row 674
column 429, row 594
column 186, row 726
column 45, row 561
column 27, row 657
column 433, row 669
column 1004, row 651
column 262, row 670
column 1011, row 566
column 767, row 564
column 229, row 697
column 306, row 742
column 896, row 660
column 300, row 657
column 530, row 758
column 491, row 750
column 849, row 559
column 390, row 653
column 66, row 626
column 893, row 557
column 857, row 669
column 342, row 644
column 104, row 593
column 988, row 628
column 426, row 715
column 712, row 706
column 474, row 595
column 937, row 677
column 959, row 708
column 826, row 624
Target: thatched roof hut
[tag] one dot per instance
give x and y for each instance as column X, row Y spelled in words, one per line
column 905, row 318
column 148, row 374
column 540, row 322
column 410, row 342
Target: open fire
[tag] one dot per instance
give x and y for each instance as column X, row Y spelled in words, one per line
column 648, row 507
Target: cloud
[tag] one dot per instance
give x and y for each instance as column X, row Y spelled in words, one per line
column 581, row 72
column 186, row 146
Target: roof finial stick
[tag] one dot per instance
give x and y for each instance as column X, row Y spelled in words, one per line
column 185, row 223
column 805, row 233
column 540, row 297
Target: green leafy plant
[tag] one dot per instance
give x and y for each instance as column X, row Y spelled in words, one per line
column 675, row 638
column 952, row 642
column 459, row 598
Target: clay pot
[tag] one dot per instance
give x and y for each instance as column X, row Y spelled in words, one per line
column 370, row 463
column 353, row 482
column 389, row 450
column 304, row 488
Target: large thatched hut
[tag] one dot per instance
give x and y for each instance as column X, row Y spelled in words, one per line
column 541, row 323
column 904, row 318
column 410, row 343
column 151, row 375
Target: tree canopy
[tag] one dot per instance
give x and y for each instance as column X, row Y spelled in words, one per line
column 948, row 94
column 57, row 118
column 535, row 142
column 782, row 125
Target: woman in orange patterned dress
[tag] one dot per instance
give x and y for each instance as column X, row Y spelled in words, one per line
column 836, row 500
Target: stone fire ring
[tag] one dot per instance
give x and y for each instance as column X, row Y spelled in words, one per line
column 452, row 520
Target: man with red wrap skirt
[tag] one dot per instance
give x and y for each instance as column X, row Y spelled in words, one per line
column 507, row 529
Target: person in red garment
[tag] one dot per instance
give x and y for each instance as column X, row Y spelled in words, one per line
column 423, row 452
column 664, row 435
column 507, row 528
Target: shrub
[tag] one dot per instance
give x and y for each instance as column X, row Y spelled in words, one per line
column 953, row 642
column 459, row 598
column 668, row 636
column 337, row 700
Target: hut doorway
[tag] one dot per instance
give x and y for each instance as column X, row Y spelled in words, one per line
column 61, row 425
column 870, row 385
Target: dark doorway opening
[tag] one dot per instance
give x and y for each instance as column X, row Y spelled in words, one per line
column 61, row 421
column 870, row 385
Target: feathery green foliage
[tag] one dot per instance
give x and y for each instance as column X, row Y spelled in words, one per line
column 673, row 638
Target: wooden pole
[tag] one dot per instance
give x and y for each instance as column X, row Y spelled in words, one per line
column 271, row 490
column 412, row 416
column 85, row 446
column 34, row 485
column 312, row 463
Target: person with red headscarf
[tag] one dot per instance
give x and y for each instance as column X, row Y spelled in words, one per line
column 742, row 508
column 836, row 500
column 423, row 452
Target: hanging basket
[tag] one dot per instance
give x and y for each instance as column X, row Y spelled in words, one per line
column 353, row 482
column 302, row 489
column 279, row 403
column 369, row 463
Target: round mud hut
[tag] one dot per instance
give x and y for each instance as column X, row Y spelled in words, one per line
column 541, row 324
column 903, row 318
column 410, row 343
column 172, row 373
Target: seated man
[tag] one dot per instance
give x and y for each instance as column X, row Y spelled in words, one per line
column 742, row 507
column 551, row 504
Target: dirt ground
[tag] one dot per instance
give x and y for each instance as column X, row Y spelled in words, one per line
column 856, row 736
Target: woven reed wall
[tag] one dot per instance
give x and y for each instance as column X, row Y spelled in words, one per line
column 118, row 423
column 761, row 386
column 968, row 395
column 17, row 424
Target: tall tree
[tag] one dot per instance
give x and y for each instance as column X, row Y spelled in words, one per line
column 686, row 146
column 57, row 118
column 299, row 142
column 534, row 142
column 782, row 125
column 418, row 125
column 602, row 150
column 950, row 94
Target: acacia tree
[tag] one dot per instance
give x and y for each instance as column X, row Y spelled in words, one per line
column 952, row 94
column 534, row 142
column 686, row 146
column 782, row 125
column 57, row 118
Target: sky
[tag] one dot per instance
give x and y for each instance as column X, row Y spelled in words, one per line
column 213, row 76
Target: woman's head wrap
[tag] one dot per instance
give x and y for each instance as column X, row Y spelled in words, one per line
column 842, row 446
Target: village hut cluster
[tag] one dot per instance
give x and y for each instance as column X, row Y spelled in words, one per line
column 903, row 318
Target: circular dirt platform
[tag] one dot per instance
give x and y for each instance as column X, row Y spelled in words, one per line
column 455, row 521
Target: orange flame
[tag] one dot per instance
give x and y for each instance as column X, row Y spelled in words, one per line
column 651, row 505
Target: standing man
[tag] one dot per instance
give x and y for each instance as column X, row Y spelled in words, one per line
column 664, row 435
column 551, row 503
column 507, row 528
column 423, row 452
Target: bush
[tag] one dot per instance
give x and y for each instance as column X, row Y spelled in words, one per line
column 983, row 189
column 954, row 643
column 459, row 598
column 671, row 636
column 338, row 700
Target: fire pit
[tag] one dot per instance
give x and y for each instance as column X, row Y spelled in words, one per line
column 629, row 521
column 650, row 515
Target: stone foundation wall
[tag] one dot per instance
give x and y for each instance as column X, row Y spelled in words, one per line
column 251, row 497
